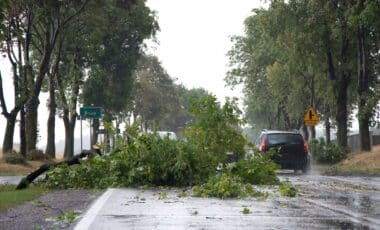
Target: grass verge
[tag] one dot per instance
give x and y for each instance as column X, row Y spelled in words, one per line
column 358, row 163
column 9, row 197
column 19, row 170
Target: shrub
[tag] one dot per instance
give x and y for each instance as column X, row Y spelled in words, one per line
column 224, row 186
column 148, row 160
column 258, row 169
column 151, row 160
column 14, row 158
column 36, row 155
column 327, row 153
column 287, row 190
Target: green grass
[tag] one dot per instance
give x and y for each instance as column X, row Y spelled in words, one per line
column 9, row 197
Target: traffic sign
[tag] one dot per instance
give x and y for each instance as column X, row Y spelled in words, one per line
column 91, row 112
column 311, row 118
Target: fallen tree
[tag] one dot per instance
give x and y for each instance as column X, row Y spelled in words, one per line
column 24, row 183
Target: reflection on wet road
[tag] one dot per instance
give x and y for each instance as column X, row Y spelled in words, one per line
column 354, row 200
column 323, row 203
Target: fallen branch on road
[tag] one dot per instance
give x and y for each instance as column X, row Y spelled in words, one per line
column 24, row 183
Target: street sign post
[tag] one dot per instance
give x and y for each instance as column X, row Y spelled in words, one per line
column 91, row 113
column 311, row 118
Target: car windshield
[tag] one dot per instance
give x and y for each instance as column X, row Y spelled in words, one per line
column 284, row 138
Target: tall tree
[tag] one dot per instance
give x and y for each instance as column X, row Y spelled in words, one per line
column 50, row 20
column 111, row 80
column 364, row 19
column 16, row 41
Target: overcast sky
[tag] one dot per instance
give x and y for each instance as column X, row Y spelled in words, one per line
column 195, row 37
column 193, row 41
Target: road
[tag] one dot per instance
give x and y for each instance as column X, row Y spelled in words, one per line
column 323, row 203
column 10, row 179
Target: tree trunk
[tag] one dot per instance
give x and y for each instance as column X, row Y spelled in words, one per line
column 312, row 132
column 69, row 138
column 363, row 90
column 95, row 129
column 22, row 132
column 305, row 132
column 341, row 116
column 9, row 132
column 24, row 183
column 31, row 121
column 50, row 145
column 328, row 130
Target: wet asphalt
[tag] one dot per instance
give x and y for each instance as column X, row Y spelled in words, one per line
column 10, row 179
column 323, row 202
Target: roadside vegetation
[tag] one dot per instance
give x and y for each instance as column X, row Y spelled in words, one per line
column 7, row 169
column 199, row 159
column 358, row 163
column 326, row 153
column 9, row 197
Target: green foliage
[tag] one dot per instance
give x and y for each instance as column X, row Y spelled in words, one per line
column 68, row 217
column 246, row 211
column 120, row 35
column 215, row 128
column 149, row 159
column 259, row 169
column 224, row 186
column 287, row 190
column 14, row 158
column 327, row 153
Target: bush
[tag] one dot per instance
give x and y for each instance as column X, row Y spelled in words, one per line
column 259, row 169
column 151, row 160
column 14, row 158
column 224, row 186
column 36, row 155
column 327, row 153
column 148, row 160
column 287, row 190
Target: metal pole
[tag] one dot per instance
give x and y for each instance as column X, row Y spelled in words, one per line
column 81, row 135
column 90, row 133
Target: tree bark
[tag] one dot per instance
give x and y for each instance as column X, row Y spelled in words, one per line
column 312, row 132
column 24, row 183
column 305, row 132
column 31, row 122
column 328, row 130
column 341, row 116
column 69, row 138
column 50, row 145
column 9, row 132
column 22, row 132
column 363, row 88
column 95, row 129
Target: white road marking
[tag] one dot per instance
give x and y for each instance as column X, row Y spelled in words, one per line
column 91, row 214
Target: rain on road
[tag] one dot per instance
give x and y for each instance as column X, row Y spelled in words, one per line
column 323, row 202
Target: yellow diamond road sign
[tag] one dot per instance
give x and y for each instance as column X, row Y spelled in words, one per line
column 311, row 117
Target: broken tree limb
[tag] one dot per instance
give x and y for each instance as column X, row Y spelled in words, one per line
column 24, row 183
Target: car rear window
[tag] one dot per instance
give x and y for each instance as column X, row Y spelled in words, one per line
column 284, row 138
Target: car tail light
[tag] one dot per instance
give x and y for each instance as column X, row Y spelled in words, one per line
column 305, row 145
column 263, row 145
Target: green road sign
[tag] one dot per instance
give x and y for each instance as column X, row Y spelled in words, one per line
column 91, row 112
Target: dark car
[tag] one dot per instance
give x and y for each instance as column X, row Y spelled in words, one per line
column 292, row 149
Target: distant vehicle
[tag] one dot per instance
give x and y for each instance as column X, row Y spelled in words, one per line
column 292, row 149
column 169, row 134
